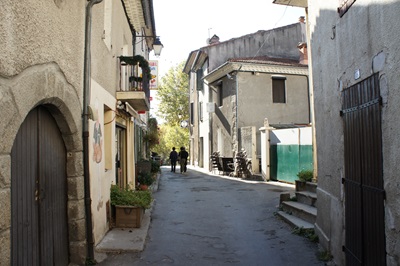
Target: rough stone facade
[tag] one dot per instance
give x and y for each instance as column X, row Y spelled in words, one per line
column 43, row 84
column 41, row 64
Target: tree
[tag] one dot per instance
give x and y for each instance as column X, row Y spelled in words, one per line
column 171, row 136
column 173, row 94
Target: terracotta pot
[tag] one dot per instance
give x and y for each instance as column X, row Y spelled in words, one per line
column 144, row 187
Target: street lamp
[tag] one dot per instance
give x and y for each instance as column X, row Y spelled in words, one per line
column 157, row 45
column 184, row 124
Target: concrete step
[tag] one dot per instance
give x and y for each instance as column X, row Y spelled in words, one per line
column 306, row 186
column 306, row 197
column 294, row 221
column 300, row 210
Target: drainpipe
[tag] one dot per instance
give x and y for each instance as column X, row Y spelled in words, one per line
column 237, row 107
column 85, row 129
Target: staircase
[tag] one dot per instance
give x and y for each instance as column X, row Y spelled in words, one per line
column 303, row 212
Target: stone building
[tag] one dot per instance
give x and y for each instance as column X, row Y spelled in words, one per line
column 59, row 84
column 354, row 61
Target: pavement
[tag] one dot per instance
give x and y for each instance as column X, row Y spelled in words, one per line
column 120, row 240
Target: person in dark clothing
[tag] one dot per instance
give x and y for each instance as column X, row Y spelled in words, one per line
column 173, row 156
column 183, row 156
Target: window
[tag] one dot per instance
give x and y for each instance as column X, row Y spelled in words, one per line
column 201, row 111
column 220, row 97
column 191, row 113
column 199, row 78
column 278, row 89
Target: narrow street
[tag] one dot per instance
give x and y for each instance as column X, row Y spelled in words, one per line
column 202, row 219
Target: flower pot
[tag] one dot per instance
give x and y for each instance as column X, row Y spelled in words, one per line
column 128, row 216
column 144, row 187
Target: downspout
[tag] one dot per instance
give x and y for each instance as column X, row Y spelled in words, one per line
column 237, row 107
column 85, row 130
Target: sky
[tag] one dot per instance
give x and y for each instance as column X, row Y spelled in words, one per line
column 185, row 25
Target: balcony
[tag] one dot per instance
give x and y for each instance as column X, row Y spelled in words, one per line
column 137, row 99
column 134, row 82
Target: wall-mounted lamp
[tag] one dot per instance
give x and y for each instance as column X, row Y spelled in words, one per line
column 157, row 45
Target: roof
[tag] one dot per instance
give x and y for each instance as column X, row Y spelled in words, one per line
column 268, row 60
column 298, row 3
column 195, row 61
column 261, row 64
column 141, row 16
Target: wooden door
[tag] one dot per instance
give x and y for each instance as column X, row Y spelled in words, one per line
column 39, row 231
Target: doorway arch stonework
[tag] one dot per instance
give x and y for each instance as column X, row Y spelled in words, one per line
column 46, row 85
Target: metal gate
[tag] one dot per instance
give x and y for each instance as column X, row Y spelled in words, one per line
column 39, row 232
column 363, row 182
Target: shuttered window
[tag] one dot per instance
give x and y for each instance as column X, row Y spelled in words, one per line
column 219, row 95
column 199, row 78
column 191, row 113
column 201, row 111
column 278, row 90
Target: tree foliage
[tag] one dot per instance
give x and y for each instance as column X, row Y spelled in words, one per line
column 173, row 94
column 171, row 136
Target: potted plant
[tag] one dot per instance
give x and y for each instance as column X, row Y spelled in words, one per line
column 129, row 205
column 145, row 179
column 304, row 176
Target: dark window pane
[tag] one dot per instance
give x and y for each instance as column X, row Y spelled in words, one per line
column 278, row 90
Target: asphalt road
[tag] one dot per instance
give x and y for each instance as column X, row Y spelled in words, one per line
column 202, row 219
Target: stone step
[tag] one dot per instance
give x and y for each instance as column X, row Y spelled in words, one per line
column 306, row 186
column 306, row 197
column 295, row 221
column 300, row 210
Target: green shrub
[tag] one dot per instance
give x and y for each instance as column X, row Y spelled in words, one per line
column 305, row 175
column 145, row 178
column 128, row 197
column 155, row 166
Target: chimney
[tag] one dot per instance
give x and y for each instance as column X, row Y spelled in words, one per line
column 303, row 53
column 214, row 40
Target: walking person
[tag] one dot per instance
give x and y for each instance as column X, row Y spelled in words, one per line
column 173, row 156
column 183, row 156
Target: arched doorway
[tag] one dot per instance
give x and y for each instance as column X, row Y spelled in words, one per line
column 39, row 230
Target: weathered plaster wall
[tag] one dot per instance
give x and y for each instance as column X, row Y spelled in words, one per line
column 105, row 62
column 37, row 32
column 100, row 178
column 194, row 128
column 224, row 118
column 280, row 42
column 255, row 104
column 366, row 39
column 255, row 100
